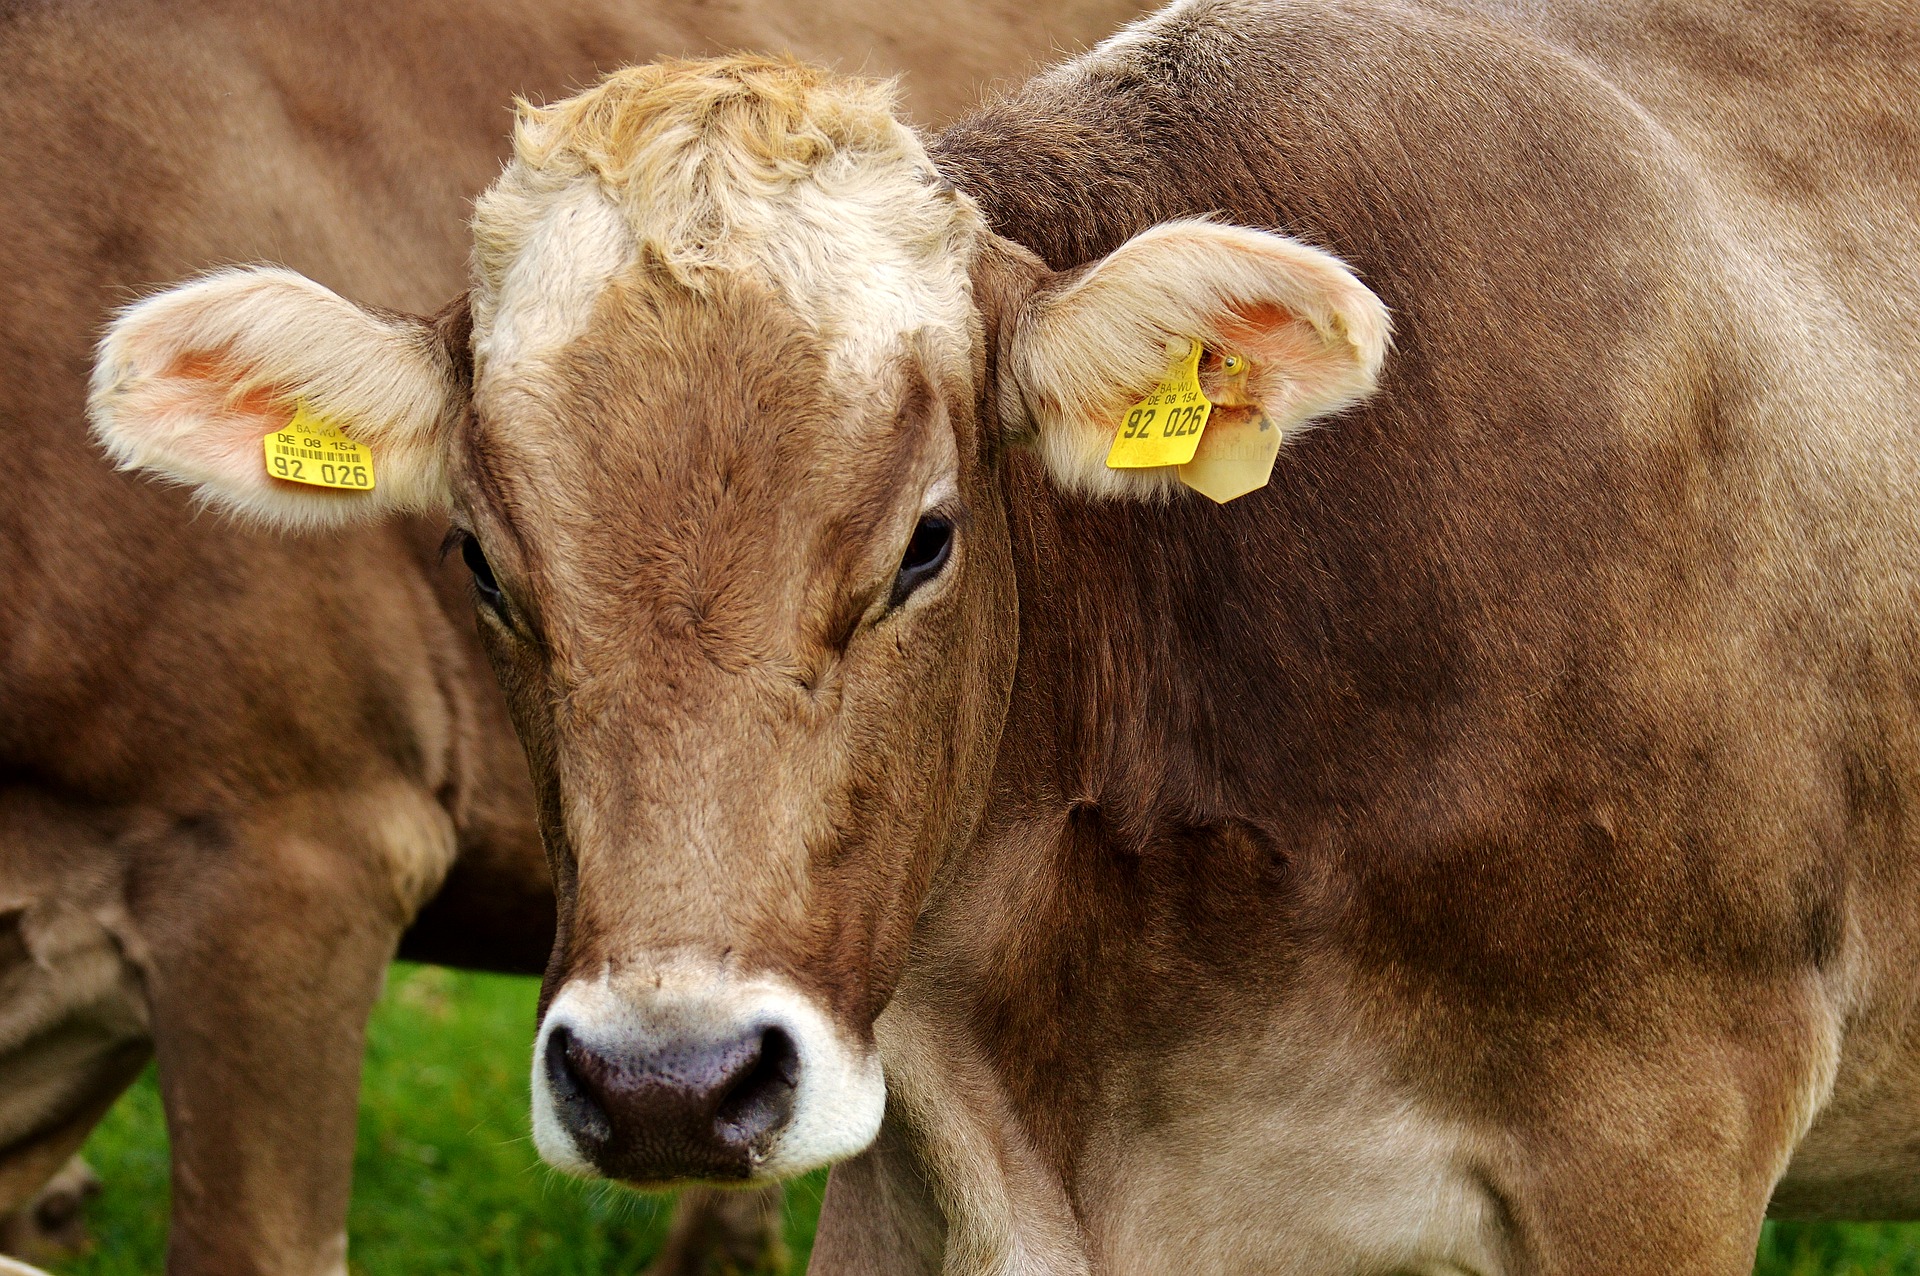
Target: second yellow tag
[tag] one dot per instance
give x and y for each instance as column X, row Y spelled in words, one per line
column 1164, row 428
column 311, row 449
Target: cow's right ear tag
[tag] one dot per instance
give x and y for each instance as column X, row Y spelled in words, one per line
column 1237, row 454
column 1236, row 457
column 313, row 450
column 1164, row 428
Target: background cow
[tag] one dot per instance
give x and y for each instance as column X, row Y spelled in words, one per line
column 232, row 766
column 1486, row 848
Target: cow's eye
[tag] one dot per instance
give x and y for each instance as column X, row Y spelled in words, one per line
column 926, row 555
column 483, row 581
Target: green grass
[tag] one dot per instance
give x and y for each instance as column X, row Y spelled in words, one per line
column 1839, row 1249
column 446, row 1180
column 445, row 1177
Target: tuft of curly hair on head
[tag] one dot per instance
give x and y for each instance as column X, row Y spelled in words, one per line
column 695, row 151
column 770, row 119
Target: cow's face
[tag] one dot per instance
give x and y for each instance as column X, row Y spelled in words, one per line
column 750, row 598
column 752, row 605
column 720, row 431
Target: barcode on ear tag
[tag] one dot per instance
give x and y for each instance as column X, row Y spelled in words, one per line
column 313, row 450
column 1164, row 428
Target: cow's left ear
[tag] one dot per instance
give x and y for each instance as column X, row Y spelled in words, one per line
column 1089, row 344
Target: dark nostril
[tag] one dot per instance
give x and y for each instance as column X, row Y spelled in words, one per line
column 677, row 1110
column 761, row 1100
column 573, row 1095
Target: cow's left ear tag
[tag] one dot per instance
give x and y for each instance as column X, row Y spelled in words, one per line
column 1164, row 428
column 311, row 449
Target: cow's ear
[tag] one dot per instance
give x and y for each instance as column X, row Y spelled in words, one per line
column 190, row 383
column 1089, row 344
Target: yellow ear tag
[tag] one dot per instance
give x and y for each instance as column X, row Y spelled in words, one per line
column 1164, row 428
column 1237, row 454
column 312, row 450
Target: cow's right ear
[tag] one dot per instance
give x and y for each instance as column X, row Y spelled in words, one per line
column 189, row 384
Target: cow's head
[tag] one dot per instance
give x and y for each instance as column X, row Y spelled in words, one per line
column 719, row 427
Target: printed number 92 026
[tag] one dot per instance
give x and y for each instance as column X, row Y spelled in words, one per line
column 1178, row 422
column 296, row 470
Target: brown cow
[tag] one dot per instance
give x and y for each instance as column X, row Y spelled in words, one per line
column 233, row 766
column 1484, row 849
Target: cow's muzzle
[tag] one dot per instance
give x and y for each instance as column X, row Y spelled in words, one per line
column 679, row 1110
column 684, row 1074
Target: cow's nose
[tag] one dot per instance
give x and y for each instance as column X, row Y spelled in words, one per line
column 679, row 1110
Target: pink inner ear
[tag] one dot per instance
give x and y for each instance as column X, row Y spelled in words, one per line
column 211, row 375
column 1289, row 357
column 1250, row 323
column 1248, row 331
column 195, row 406
column 1268, row 334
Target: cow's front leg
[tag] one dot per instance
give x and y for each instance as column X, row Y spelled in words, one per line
column 1656, row 1156
column 267, row 939
column 52, row 1227
column 722, row 1232
column 879, row 1217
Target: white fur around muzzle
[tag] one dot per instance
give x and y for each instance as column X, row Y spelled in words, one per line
column 838, row 1102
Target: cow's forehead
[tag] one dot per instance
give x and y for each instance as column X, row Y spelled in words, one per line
column 802, row 181
column 666, row 472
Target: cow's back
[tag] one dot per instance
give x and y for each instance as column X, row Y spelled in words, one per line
column 150, row 142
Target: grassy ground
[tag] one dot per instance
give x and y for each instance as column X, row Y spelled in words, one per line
column 447, row 1182
column 445, row 1177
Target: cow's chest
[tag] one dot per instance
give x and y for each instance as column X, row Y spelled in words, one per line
column 1289, row 1154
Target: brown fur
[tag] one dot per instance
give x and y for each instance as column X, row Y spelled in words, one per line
column 1536, row 712
column 260, row 754
column 1525, row 765
column 673, row 629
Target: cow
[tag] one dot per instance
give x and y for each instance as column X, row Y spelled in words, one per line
column 1480, row 843
column 233, row 767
